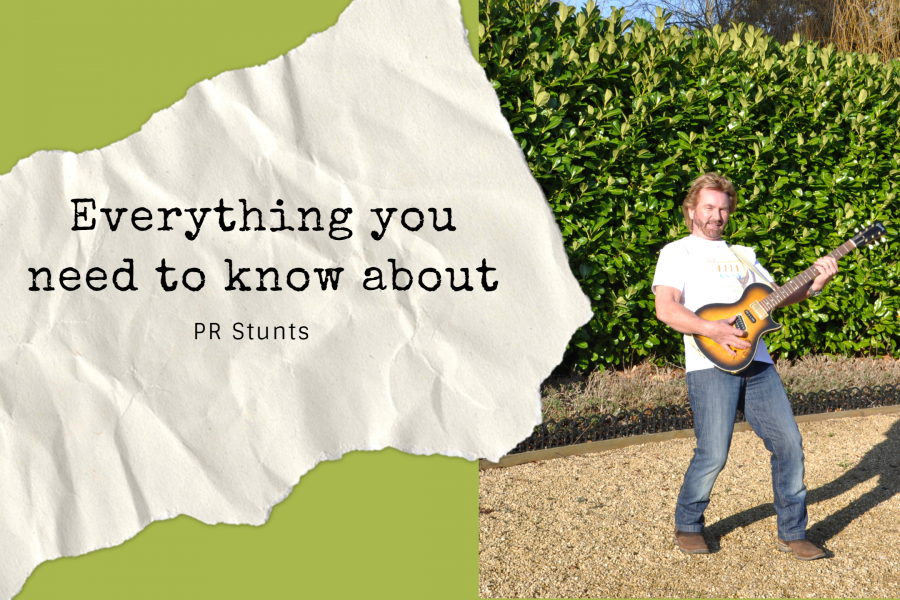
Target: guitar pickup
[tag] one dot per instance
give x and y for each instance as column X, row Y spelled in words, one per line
column 758, row 310
column 739, row 323
column 750, row 316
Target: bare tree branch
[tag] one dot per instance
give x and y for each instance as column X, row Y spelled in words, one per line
column 778, row 18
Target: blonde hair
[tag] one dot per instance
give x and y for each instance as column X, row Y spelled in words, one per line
column 709, row 181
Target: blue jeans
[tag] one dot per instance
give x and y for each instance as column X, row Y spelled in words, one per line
column 715, row 397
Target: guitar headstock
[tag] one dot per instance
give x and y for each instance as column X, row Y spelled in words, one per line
column 872, row 233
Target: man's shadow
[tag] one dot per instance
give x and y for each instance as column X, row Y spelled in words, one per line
column 882, row 461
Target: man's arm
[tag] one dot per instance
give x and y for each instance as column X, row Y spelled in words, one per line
column 673, row 313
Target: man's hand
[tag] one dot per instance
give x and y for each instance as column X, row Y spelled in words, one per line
column 722, row 333
column 826, row 269
column 672, row 312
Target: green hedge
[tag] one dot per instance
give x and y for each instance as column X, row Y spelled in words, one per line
column 617, row 118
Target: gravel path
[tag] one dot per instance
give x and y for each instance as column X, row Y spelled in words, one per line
column 600, row 525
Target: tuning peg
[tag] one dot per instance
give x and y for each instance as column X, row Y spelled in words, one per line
column 856, row 229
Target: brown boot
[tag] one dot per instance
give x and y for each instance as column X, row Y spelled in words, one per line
column 802, row 549
column 690, row 543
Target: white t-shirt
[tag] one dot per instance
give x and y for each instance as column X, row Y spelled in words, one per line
column 706, row 272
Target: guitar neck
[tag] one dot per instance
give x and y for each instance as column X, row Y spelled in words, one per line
column 775, row 298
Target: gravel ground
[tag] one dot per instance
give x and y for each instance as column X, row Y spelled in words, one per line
column 600, row 525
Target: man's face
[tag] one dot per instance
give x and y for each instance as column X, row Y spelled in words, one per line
column 710, row 214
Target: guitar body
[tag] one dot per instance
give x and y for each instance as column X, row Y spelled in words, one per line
column 752, row 314
column 751, row 317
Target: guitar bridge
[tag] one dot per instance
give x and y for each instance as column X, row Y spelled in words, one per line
column 758, row 310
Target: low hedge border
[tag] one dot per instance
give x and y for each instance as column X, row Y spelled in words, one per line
column 597, row 427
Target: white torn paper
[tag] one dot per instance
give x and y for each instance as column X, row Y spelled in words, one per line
column 121, row 405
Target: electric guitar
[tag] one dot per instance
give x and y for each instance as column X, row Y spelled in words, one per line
column 753, row 311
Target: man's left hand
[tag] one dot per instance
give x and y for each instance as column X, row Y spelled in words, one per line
column 827, row 268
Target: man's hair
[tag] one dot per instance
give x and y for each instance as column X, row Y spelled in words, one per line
column 709, row 181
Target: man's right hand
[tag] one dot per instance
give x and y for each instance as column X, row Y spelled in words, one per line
column 722, row 333
column 673, row 313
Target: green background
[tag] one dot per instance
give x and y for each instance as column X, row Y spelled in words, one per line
column 82, row 75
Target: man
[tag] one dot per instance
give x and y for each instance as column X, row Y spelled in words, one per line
column 698, row 270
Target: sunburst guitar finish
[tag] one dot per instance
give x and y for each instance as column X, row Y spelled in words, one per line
column 750, row 317
column 752, row 311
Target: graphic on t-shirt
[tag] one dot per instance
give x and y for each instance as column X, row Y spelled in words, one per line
column 733, row 270
column 734, row 275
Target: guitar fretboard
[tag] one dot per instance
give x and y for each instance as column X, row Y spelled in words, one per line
column 777, row 297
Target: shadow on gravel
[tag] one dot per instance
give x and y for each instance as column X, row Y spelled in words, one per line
column 882, row 461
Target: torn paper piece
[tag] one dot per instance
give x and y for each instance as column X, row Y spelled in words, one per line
column 342, row 249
